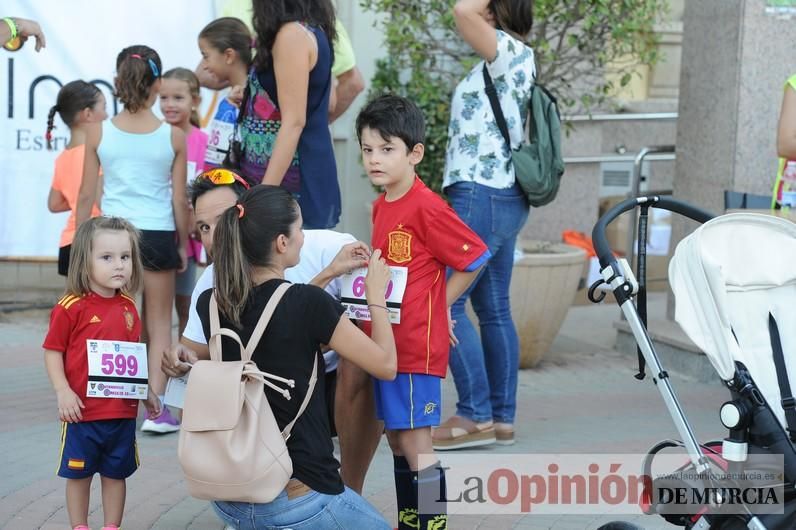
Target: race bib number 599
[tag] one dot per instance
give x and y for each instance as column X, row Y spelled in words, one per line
column 116, row 369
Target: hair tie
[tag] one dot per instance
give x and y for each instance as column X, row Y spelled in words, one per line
column 152, row 65
column 241, row 210
column 48, row 136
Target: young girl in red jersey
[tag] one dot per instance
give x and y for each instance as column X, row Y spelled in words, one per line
column 78, row 104
column 97, row 434
column 179, row 99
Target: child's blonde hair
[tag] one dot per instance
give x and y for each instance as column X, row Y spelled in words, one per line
column 78, row 279
column 183, row 74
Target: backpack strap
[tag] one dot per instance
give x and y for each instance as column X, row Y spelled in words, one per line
column 491, row 93
column 268, row 312
column 788, row 403
column 216, row 331
column 310, row 389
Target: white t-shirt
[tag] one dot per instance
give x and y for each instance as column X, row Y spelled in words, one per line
column 320, row 248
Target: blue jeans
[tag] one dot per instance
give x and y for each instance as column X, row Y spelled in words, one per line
column 485, row 369
column 312, row 510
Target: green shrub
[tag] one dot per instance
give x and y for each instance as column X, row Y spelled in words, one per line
column 575, row 43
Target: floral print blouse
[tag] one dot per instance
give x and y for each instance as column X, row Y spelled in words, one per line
column 476, row 150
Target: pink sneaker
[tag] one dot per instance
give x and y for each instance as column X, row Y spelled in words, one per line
column 165, row 423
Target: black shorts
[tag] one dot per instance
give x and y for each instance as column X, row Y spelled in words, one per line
column 331, row 387
column 159, row 250
column 63, row 259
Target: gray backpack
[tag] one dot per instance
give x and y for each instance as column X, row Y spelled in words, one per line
column 538, row 164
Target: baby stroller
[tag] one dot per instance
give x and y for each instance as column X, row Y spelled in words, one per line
column 734, row 280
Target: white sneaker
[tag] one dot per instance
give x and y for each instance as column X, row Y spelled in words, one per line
column 163, row 424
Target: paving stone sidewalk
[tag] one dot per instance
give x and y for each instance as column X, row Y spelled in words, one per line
column 582, row 398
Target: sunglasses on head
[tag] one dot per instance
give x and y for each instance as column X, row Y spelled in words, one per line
column 221, row 176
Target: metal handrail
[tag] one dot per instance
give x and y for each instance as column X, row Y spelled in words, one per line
column 635, row 189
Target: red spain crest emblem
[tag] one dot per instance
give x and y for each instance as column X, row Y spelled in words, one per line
column 128, row 319
column 400, row 246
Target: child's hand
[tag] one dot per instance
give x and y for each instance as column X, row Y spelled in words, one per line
column 235, row 95
column 152, row 404
column 451, row 325
column 69, row 406
column 182, row 251
column 377, row 278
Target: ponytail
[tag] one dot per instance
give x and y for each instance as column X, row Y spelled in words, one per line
column 72, row 99
column 232, row 268
column 50, row 118
column 244, row 239
column 137, row 69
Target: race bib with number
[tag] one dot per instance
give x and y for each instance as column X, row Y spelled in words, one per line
column 116, row 369
column 218, row 141
column 352, row 293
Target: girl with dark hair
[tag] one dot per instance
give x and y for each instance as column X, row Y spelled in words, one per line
column 253, row 243
column 479, row 181
column 226, row 48
column 144, row 166
column 285, row 128
column 78, row 104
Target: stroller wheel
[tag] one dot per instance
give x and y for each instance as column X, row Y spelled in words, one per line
column 620, row 525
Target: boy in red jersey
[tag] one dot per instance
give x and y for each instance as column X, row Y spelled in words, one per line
column 415, row 229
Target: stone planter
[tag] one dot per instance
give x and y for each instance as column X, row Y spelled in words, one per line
column 543, row 285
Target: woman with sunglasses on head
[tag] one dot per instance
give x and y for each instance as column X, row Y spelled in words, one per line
column 285, row 127
column 255, row 242
column 144, row 175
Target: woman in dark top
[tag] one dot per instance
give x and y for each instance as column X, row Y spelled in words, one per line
column 254, row 243
column 285, row 124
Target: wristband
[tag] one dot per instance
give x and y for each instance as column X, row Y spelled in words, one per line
column 12, row 26
column 377, row 305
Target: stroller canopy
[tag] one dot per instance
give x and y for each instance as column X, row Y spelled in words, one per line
column 727, row 276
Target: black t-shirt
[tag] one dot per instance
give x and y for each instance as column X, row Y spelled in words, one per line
column 305, row 318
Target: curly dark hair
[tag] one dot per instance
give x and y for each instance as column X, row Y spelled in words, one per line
column 137, row 69
column 270, row 15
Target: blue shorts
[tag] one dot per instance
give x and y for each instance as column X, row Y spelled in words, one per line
column 410, row 401
column 106, row 447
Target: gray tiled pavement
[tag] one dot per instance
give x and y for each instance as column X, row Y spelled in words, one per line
column 582, row 398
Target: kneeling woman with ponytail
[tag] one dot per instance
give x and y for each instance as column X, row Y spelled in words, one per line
column 254, row 242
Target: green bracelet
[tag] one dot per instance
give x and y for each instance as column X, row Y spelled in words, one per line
column 13, row 27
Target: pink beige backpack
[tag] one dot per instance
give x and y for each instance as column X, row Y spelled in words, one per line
column 230, row 446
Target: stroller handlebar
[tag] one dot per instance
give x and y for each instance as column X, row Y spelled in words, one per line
column 601, row 246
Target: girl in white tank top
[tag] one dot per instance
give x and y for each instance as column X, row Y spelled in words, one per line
column 143, row 166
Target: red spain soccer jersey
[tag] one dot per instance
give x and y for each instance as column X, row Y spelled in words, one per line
column 76, row 319
column 421, row 232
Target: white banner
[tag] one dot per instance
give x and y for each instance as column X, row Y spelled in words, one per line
column 83, row 40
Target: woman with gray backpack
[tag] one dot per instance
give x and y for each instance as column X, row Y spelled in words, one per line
column 231, row 449
column 481, row 185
